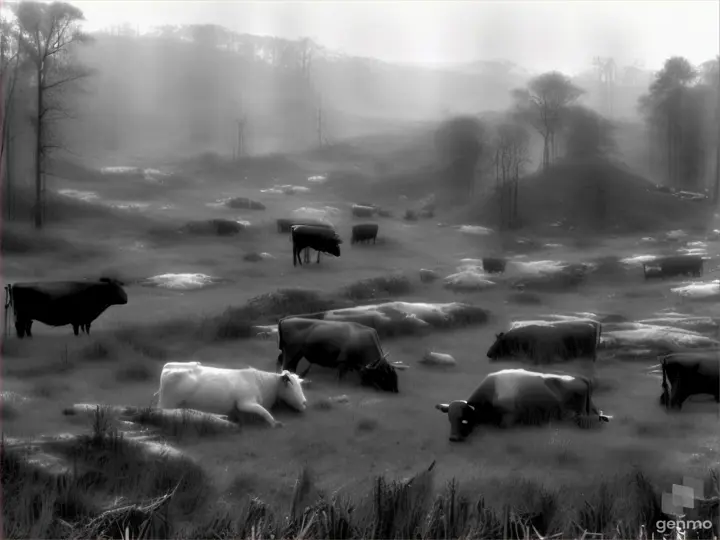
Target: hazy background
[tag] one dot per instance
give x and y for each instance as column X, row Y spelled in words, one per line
column 538, row 35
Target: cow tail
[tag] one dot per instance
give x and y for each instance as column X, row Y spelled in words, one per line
column 587, row 396
column 666, row 392
column 8, row 304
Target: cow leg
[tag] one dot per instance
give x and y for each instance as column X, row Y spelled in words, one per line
column 20, row 329
column 76, row 329
column 296, row 256
column 304, row 373
column 318, row 258
column 28, row 328
column 261, row 411
column 291, row 364
column 87, row 329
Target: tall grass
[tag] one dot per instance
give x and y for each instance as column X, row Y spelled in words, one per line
column 109, row 486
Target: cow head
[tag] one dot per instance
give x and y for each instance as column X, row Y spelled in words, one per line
column 381, row 375
column 461, row 416
column 113, row 292
column 497, row 349
column 290, row 390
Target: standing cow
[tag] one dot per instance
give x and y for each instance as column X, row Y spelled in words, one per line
column 364, row 233
column 320, row 239
column 544, row 342
column 517, row 396
column 57, row 303
column 689, row 374
column 346, row 346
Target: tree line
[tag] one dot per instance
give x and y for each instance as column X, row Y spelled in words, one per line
column 40, row 75
column 681, row 110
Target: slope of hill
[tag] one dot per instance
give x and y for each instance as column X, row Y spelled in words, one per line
column 594, row 196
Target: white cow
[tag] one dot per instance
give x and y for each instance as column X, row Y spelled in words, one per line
column 219, row 390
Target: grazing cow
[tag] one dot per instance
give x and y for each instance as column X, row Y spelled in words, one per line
column 318, row 238
column 57, row 303
column 677, row 265
column 364, row 233
column 517, row 396
column 689, row 374
column 209, row 389
column 545, row 341
column 493, row 265
column 359, row 210
column 285, row 225
column 347, row 346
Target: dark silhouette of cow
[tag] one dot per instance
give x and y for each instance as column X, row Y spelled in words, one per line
column 364, row 233
column 321, row 239
column 346, row 346
column 57, row 303
column 689, row 374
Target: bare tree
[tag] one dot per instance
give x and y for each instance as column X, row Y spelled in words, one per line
column 541, row 105
column 47, row 34
column 9, row 62
column 511, row 155
column 459, row 142
column 664, row 108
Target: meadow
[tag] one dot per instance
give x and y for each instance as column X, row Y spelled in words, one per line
column 355, row 451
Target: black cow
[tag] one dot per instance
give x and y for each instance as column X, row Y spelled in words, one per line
column 347, row 346
column 493, row 265
column 545, row 341
column 320, row 239
column 57, row 303
column 689, row 374
column 359, row 210
column 517, row 396
column 364, row 233
column 285, row 225
column 677, row 265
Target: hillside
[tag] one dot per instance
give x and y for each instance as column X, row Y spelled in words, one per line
column 594, row 196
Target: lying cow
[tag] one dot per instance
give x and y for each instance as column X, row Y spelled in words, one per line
column 318, row 238
column 493, row 265
column 347, row 346
column 191, row 385
column 57, row 303
column 359, row 210
column 516, row 396
column 364, row 233
column 689, row 374
column 543, row 342
column 677, row 265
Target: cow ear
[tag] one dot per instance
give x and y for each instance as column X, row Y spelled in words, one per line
column 442, row 407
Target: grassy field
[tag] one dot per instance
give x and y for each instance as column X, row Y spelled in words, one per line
column 346, row 446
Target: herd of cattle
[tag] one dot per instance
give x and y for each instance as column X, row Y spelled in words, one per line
column 505, row 397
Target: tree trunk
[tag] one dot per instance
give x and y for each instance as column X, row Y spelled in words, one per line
column 38, row 153
column 6, row 176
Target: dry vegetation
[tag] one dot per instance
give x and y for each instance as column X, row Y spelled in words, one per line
column 353, row 444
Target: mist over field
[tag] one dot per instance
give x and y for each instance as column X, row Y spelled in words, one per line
column 455, row 264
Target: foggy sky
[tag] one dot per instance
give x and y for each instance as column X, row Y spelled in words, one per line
column 536, row 34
